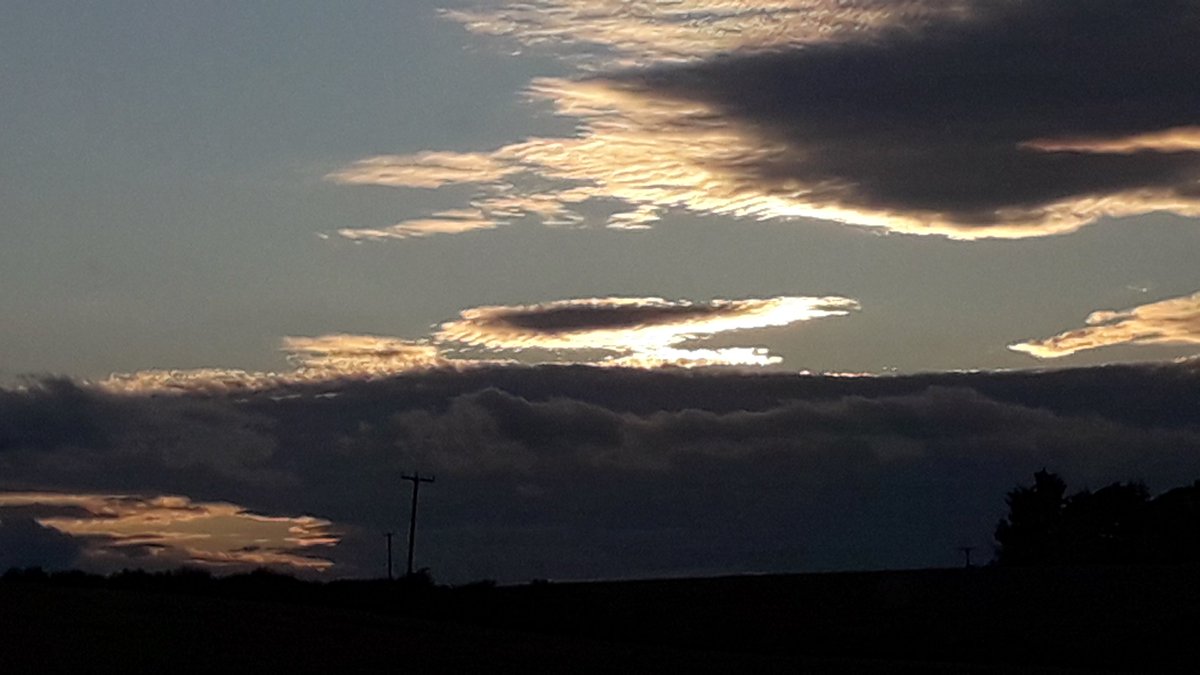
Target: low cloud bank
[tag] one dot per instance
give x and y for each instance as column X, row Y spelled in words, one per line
column 570, row 472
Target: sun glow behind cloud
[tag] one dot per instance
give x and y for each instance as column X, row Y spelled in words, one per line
column 609, row 332
column 628, row 324
column 168, row 531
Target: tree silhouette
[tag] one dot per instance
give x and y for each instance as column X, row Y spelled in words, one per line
column 1107, row 526
column 1116, row 525
column 1027, row 535
column 1173, row 526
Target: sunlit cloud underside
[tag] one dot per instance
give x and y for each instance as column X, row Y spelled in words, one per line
column 777, row 109
column 1175, row 321
column 314, row 360
column 642, row 325
column 168, row 531
column 620, row 33
column 608, row 332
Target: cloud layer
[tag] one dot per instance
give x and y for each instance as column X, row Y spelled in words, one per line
column 970, row 120
column 584, row 472
column 611, row 332
column 315, row 359
column 683, row 31
column 1168, row 322
column 117, row 531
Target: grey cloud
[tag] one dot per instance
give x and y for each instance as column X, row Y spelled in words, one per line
column 581, row 472
column 58, row 431
column 930, row 122
column 970, row 120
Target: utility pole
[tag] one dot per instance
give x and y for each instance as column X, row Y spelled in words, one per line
column 388, row 535
column 416, row 479
column 966, row 550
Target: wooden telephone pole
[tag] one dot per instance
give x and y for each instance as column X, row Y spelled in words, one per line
column 416, row 479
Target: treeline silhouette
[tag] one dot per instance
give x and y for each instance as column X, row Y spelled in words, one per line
column 1116, row 525
column 415, row 593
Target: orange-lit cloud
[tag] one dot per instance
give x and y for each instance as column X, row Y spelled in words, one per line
column 671, row 30
column 1168, row 322
column 1181, row 139
column 455, row 221
column 341, row 354
column 423, row 170
column 168, row 531
column 789, row 109
column 316, row 359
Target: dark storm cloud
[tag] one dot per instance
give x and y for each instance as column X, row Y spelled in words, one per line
column 956, row 121
column 583, row 472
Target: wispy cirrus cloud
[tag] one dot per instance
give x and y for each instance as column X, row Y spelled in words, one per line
column 1175, row 321
column 454, row 221
column 423, row 170
column 315, row 359
column 1012, row 126
column 342, row 354
column 168, row 531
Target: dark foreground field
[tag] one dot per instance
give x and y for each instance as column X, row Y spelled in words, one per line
column 977, row 620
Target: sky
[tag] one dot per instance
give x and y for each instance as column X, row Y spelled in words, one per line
column 220, row 218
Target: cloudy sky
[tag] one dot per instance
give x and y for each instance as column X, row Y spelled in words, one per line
column 215, row 218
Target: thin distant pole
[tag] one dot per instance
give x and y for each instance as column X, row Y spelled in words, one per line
column 966, row 550
column 416, row 479
column 388, row 535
